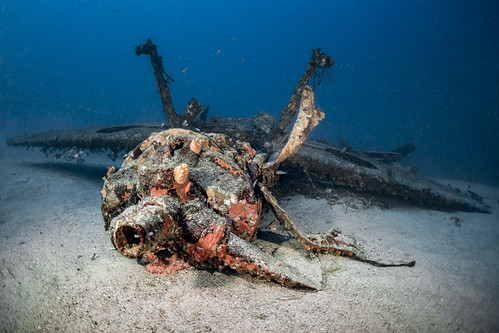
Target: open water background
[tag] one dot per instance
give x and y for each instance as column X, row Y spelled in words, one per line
column 406, row 71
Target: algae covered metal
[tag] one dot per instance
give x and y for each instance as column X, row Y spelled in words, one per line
column 188, row 198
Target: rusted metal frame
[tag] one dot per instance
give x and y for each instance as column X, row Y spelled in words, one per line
column 318, row 60
column 162, row 81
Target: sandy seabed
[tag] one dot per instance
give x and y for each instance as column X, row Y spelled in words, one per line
column 60, row 273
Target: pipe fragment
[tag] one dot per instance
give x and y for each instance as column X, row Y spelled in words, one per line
column 146, row 228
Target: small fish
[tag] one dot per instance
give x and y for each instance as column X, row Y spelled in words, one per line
column 184, row 70
column 185, row 123
column 280, row 172
column 242, row 60
column 344, row 149
column 218, row 51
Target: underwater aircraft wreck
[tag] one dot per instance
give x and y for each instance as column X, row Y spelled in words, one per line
column 372, row 172
column 191, row 192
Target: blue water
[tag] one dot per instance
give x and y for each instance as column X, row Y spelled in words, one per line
column 406, row 71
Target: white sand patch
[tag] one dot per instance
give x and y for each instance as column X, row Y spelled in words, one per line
column 59, row 271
